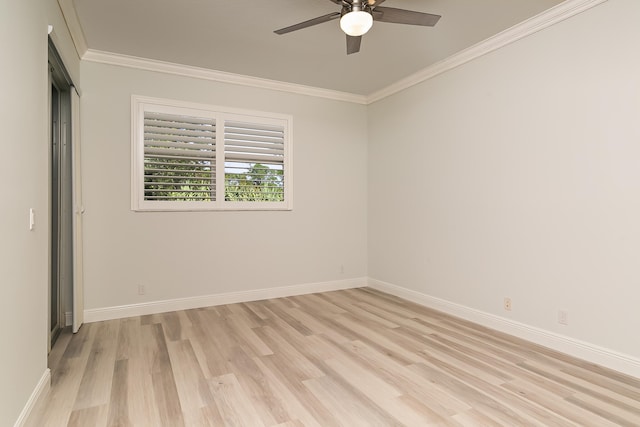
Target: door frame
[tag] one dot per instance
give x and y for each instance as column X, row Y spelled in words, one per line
column 70, row 252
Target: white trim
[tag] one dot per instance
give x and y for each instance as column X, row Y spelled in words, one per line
column 41, row 390
column 550, row 17
column 539, row 22
column 68, row 318
column 63, row 53
column 218, row 76
column 221, row 115
column 583, row 350
column 77, row 297
column 154, row 307
column 73, row 24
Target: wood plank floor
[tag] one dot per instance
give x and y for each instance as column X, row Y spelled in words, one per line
column 347, row 358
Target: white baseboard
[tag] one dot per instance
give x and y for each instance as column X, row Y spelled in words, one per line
column 41, row 390
column 68, row 318
column 580, row 349
column 154, row 307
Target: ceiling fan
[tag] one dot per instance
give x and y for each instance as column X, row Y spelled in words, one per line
column 357, row 16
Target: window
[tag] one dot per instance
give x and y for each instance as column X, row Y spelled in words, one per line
column 196, row 157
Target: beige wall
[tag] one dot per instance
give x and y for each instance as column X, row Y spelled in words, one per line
column 517, row 175
column 513, row 175
column 24, row 174
column 189, row 254
column 23, row 256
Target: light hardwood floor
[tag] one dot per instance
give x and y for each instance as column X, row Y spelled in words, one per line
column 347, row 358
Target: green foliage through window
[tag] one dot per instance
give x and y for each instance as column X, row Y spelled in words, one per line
column 178, row 180
column 253, row 183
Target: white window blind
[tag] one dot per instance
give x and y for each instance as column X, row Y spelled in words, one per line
column 179, row 157
column 254, row 162
column 189, row 156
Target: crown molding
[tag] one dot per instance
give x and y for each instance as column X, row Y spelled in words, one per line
column 218, row 76
column 537, row 23
column 73, row 24
column 556, row 14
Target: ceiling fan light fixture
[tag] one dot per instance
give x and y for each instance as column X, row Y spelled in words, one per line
column 356, row 23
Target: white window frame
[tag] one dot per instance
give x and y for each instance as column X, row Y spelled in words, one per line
column 140, row 104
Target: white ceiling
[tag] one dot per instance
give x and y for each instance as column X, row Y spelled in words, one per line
column 237, row 37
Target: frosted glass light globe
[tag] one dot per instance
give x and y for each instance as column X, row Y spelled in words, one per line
column 356, row 23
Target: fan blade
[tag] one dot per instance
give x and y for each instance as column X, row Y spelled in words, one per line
column 309, row 23
column 402, row 16
column 374, row 3
column 353, row 44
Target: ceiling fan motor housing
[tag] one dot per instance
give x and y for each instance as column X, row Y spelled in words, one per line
column 356, row 6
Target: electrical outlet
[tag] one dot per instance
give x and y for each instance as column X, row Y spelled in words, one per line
column 507, row 304
column 141, row 290
column 563, row 317
column 342, row 269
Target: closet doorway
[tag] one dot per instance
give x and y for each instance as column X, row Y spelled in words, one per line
column 60, row 197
